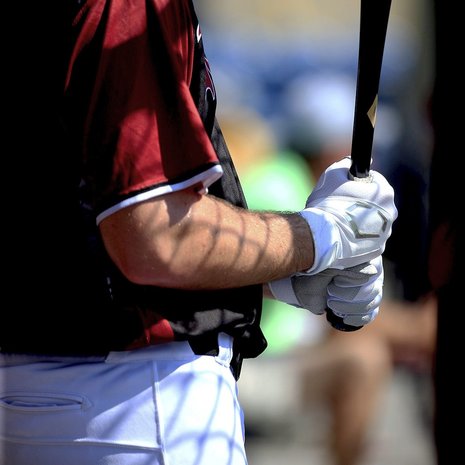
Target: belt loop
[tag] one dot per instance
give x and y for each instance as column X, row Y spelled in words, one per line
column 225, row 349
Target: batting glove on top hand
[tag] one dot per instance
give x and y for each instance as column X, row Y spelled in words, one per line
column 350, row 219
column 353, row 294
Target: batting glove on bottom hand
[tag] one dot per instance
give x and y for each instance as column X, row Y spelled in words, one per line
column 353, row 294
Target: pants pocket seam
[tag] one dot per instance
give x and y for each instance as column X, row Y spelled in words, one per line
column 76, row 402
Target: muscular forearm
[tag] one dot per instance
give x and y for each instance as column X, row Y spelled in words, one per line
column 190, row 241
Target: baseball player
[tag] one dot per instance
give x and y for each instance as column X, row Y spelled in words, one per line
column 145, row 270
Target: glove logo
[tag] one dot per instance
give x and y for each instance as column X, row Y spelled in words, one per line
column 374, row 221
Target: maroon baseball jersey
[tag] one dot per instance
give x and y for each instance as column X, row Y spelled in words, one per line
column 133, row 118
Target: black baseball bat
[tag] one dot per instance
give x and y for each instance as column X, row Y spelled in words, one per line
column 374, row 18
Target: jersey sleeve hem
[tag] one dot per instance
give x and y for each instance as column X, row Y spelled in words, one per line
column 204, row 180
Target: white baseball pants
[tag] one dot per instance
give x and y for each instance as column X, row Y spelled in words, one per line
column 161, row 405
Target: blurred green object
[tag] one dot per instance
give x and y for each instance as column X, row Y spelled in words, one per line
column 281, row 182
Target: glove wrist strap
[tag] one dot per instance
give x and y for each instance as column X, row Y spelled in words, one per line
column 325, row 238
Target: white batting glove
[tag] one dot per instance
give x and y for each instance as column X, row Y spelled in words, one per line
column 353, row 294
column 350, row 220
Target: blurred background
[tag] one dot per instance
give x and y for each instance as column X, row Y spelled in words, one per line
column 285, row 75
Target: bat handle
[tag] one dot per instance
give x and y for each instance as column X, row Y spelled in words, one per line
column 338, row 323
column 357, row 173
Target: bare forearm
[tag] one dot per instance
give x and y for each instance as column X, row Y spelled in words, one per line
column 236, row 247
column 189, row 241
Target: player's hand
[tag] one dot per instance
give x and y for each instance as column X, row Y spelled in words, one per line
column 353, row 294
column 350, row 220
